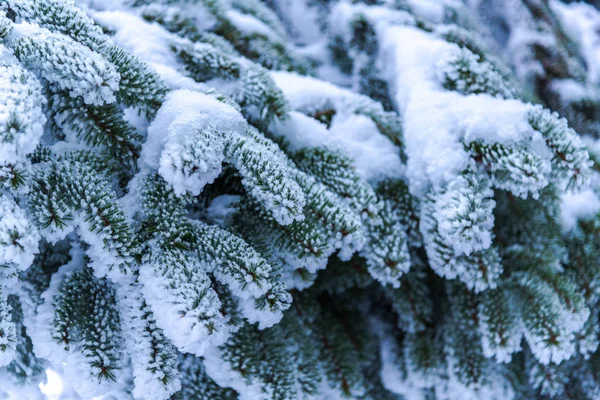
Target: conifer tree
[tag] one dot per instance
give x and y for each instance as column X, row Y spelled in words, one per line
column 197, row 201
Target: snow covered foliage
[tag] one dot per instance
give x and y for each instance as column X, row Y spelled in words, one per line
column 277, row 199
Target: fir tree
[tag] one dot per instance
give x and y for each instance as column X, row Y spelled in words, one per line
column 195, row 203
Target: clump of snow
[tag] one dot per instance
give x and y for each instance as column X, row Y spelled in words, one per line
column 437, row 122
column 250, row 25
column 569, row 89
column 352, row 132
column 151, row 43
column 374, row 156
column 12, row 389
column 267, row 310
column 581, row 22
column 578, row 206
column 300, row 131
column 151, row 47
column 304, row 24
column 186, row 139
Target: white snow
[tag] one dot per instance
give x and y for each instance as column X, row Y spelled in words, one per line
column 569, row 89
column 374, row 155
column 581, row 22
column 578, row 206
column 148, row 41
column 249, row 25
column 186, row 139
column 304, row 25
column 53, row 388
column 344, row 12
column 151, row 43
column 431, row 10
column 265, row 317
column 194, row 133
column 437, row 121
